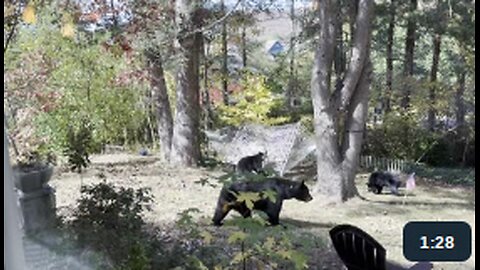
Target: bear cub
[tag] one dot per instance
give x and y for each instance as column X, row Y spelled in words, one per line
column 251, row 164
column 379, row 180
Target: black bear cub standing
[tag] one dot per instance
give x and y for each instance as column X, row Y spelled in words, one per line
column 379, row 180
column 250, row 164
column 283, row 189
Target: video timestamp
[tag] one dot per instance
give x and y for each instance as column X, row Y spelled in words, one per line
column 437, row 241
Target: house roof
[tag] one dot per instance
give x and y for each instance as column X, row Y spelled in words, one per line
column 274, row 47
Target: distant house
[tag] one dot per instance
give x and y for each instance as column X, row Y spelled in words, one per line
column 275, row 47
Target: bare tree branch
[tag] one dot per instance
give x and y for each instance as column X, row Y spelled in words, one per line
column 12, row 30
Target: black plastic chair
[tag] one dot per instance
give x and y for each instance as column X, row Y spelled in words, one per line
column 357, row 249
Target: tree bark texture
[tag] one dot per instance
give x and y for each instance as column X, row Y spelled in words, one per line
column 329, row 180
column 459, row 99
column 336, row 165
column 355, row 130
column 186, row 143
column 225, row 57
column 389, row 80
column 206, row 86
column 339, row 54
column 409, row 54
column 291, row 80
column 437, row 40
column 244, row 39
column 161, row 105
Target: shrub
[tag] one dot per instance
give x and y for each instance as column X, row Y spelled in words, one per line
column 252, row 105
column 399, row 136
column 109, row 220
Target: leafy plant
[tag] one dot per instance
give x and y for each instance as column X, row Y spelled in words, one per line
column 109, row 220
column 78, row 146
column 400, row 136
column 252, row 104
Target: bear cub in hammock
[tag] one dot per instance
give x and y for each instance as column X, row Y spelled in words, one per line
column 251, row 164
column 379, row 180
column 283, row 189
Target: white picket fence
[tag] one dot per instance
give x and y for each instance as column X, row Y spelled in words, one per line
column 384, row 164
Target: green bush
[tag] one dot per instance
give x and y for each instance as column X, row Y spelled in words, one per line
column 399, row 136
column 109, row 220
column 451, row 150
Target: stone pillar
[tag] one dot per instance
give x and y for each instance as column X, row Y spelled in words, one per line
column 36, row 199
column 38, row 209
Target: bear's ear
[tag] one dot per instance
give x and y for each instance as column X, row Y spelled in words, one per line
column 302, row 183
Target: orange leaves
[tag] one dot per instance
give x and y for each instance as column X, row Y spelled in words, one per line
column 68, row 27
column 29, row 14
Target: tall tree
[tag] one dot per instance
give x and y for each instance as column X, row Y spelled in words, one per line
column 161, row 103
column 438, row 23
column 389, row 58
column 224, row 55
column 153, row 23
column 408, row 63
column 207, row 108
column 244, row 37
column 337, row 164
column 339, row 54
column 437, row 39
column 291, row 80
column 185, row 142
column 459, row 100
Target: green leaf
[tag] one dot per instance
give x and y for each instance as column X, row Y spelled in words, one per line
column 236, row 237
column 249, row 198
column 269, row 243
column 299, row 259
column 285, row 254
column 271, row 195
column 240, row 256
column 207, row 237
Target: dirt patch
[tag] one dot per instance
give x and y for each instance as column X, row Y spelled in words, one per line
column 382, row 216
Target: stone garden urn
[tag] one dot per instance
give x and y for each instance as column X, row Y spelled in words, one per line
column 36, row 197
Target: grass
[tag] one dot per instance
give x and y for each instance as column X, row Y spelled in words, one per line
column 382, row 216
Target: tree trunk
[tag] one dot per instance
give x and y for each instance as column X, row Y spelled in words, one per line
column 390, row 32
column 244, row 46
column 161, row 103
column 336, row 165
column 437, row 39
column 409, row 53
column 225, row 57
column 459, row 100
column 339, row 55
column 329, row 180
column 355, row 130
column 185, row 142
column 244, row 38
column 291, row 80
column 206, row 86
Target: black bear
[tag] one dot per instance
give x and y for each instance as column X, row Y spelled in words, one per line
column 251, row 164
column 379, row 180
column 281, row 189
